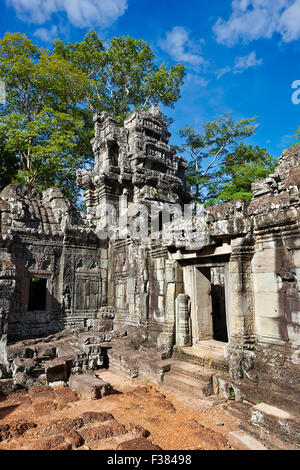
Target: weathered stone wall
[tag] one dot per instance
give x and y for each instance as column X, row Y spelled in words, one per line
column 136, row 255
column 45, row 239
column 137, row 176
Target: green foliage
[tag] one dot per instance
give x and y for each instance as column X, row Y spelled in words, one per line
column 246, row 165
column 46, row 123
column 221, row 168
column 122, row 74
column 9, row 165
column 42, row 123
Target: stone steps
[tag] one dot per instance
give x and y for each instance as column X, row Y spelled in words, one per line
column 202, row 356
column 241, row 440
column 271, row 441
column 187, row 385
column 153, row 368
column 239, row 410
column 188, row 370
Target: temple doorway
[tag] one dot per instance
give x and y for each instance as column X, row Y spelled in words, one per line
column 208, row 288
column 218, row 300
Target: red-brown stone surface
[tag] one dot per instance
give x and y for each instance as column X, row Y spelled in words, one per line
column 137, row 416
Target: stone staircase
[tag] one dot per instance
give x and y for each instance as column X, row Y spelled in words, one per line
column 208, row 354
column 189, row 379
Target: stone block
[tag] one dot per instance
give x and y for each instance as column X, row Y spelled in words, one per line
column 23, row 380
column 264, row 261
column 7, row 386
column 270, row 328
column 19, row 350
column 22, row 365
column 266, row 304
column 46, row 350
column 276, row 421
column 59, row 369
column 240, row 440
column 89, row 386
column 266, row 282
column 103, row 325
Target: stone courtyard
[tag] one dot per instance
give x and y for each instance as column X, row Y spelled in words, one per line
column 200, row 311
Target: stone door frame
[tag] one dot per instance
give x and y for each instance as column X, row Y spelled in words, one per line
column 197, row 286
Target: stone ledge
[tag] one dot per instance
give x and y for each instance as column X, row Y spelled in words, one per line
column 243, row 441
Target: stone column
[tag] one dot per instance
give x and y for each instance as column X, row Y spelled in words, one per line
column 174, row 285
column 7, row 289
column 183, row 320
column 242, row 311
column 242, row 342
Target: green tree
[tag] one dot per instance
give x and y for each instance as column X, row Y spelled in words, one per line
column 41, row 120
column 51, row 98
column 209, row 151
column 9, row 165
column 123, row 75
column 246, row 165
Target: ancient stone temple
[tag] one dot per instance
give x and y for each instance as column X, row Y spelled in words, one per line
column 208, row 304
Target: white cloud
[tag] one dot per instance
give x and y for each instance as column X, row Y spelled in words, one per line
column 195, row 80
column 241, row 64
column 181, row 48
column 246, row 62
column 47, row 35
column 80, row 13
column 255, row 19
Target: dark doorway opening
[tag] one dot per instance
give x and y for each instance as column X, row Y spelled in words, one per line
column 219, row 308
column 37, row 294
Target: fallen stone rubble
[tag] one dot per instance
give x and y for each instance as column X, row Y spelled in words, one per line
column 53, row 359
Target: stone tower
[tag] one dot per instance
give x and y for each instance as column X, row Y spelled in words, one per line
column 135, row 161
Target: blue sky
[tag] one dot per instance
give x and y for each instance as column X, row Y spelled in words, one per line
column 240, row 55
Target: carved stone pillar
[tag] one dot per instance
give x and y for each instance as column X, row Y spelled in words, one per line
column 242, row 342
column 242, row 310
column 183, row 320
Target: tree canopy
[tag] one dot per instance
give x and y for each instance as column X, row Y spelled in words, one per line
column 122, row 74
column 221, row 167
column 41, row 123
column 46, row 122
column 246, row 165
column 9, row 165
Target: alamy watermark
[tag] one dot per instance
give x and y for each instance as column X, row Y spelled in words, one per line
column 2, row 92
column 169, row 222
column 296, row 94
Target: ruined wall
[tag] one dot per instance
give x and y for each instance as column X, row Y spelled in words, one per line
column 258, row 245
column 44, row 241
column 161, row 275
column 138, row 183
